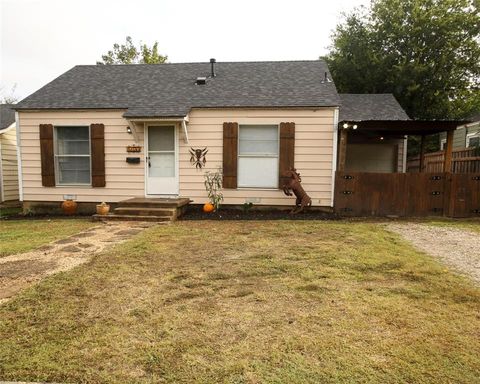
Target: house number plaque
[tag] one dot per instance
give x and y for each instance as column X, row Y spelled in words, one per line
column 134, row 148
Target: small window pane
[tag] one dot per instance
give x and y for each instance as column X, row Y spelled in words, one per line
column 73, row 141
column 258, row 172
column 73, row 170
column 258, row 140
column 161, row 138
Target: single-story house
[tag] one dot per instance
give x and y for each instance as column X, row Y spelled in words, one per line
column 113, row 132
column 8, row 154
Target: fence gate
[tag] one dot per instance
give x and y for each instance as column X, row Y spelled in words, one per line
column 464, row 195
column 407, row 194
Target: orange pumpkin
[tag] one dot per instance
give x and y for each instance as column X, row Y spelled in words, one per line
column 207, row 208
column 69, row 207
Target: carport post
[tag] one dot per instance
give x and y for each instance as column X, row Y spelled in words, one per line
column 342, row 150
column 422, row 155
column 447, row 166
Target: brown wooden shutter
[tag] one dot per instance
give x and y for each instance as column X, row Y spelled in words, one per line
column 230, row 154
column 287, row 151
column 97, row 137
column 46, row 155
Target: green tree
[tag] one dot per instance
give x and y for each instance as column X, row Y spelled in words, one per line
column 425, row 52
column 129, row 53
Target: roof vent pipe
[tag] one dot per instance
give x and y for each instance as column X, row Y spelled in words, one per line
column 212, row 67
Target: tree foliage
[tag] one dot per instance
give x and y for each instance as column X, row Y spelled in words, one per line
column 425, row 52
column 129, row 53
column 10, row 98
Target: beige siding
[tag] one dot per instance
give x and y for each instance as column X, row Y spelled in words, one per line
column 122, row 180
column 9, row 171
column 313, row 154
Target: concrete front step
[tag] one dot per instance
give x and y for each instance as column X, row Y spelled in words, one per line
column 145, row 211
column 154, row 202
column 114, row 217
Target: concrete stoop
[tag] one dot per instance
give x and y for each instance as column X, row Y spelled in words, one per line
column 145, row 209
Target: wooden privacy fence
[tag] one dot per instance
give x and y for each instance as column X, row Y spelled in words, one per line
column 465, row 160
column 407, row 194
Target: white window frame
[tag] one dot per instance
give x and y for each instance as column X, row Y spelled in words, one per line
column 470, row 136
column 56, row 156
column 443, row 144
column 277, row 156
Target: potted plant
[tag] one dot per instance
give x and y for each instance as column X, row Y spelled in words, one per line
column 69, row 207
column 213, row 185
column 103, row 208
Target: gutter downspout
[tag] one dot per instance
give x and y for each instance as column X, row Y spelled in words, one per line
column 185, row 131
column 19, row 158
column 334, row 156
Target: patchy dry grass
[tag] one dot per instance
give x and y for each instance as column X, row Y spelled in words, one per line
column 248, row 302
column 23, row 235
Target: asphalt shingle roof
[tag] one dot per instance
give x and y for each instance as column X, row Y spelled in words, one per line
column 167, row 90
column 7, row 115
column 360, row 107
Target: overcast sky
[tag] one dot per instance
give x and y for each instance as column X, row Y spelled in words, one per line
column 41, row 39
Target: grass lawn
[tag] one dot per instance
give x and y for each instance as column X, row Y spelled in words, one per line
column 24, row 235
column 248, row 302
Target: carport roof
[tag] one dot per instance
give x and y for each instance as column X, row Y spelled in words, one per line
column 405, row 127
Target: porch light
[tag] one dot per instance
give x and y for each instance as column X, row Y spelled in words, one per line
column 129, row 130
column 345, row 125
column 355, row 126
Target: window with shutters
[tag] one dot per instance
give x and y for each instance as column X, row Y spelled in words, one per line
column 258, row 149
column 72, row 155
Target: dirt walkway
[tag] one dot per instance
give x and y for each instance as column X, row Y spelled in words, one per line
column 21, row 270
column 458, row 248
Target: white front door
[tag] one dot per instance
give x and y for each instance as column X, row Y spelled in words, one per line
column 161, row 161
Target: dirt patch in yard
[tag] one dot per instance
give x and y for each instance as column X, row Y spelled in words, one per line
column 458, row 248
column 21, row 270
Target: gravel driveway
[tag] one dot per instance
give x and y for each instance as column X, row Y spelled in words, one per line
column 458, row 248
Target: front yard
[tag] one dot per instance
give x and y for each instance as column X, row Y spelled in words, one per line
column 248, row 302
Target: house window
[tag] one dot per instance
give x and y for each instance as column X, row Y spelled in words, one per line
column 443, row 144
column 258, row 156
column 473, row 140
column 72, row 156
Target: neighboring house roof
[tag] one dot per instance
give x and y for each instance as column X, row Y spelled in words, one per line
column 361, row 107
column 169, row 90
column 7, row 116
